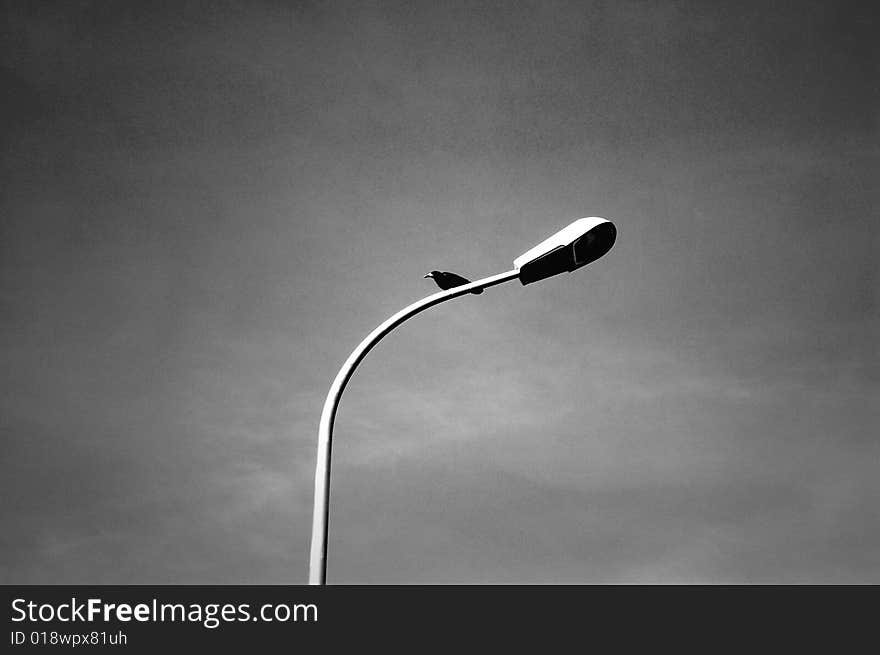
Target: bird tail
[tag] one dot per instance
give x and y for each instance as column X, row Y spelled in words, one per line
column 477, row 291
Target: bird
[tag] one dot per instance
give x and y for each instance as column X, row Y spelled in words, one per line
column 446, row 280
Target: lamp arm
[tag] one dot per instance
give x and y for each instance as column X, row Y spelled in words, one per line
column 321, row 515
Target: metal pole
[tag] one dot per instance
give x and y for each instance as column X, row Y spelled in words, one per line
column 321, row 515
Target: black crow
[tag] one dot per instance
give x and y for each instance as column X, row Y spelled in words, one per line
column 449, row 280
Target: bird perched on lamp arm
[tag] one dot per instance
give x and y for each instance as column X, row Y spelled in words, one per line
column 446, row 280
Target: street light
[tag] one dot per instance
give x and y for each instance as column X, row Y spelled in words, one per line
column 574, row 246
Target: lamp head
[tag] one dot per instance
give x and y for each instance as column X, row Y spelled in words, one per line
column 577, row 245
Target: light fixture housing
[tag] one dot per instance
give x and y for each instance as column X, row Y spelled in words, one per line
column 574, row 246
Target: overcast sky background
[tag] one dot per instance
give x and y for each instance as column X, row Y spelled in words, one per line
column 206, row 206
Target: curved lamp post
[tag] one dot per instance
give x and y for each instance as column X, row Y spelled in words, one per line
column 577, row 245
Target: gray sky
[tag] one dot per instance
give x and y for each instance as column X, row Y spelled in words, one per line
column 206, row 206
